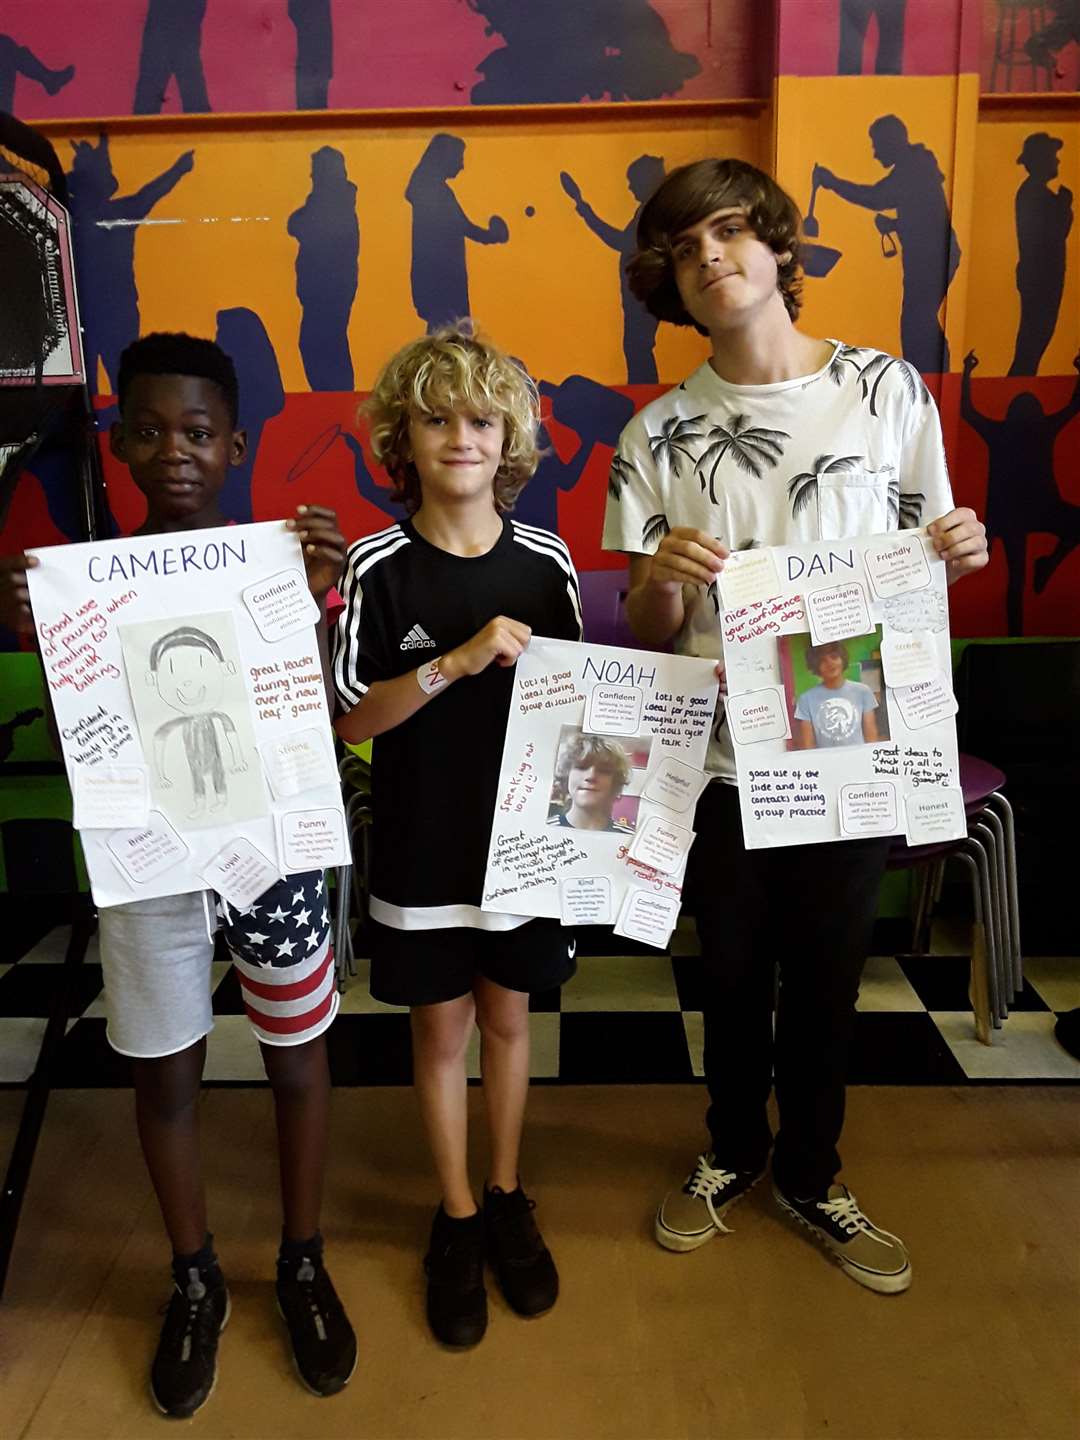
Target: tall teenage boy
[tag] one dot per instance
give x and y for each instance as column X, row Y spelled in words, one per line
column 439, row 607
column 178, row 436
column 777, row 439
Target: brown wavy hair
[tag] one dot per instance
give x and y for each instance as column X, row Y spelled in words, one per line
column 450, row 368
column 687, row 196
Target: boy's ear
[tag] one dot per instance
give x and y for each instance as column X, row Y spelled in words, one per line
column 116, row 440
column 239, row 447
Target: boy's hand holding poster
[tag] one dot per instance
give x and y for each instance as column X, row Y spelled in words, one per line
column 184, row 672
column 840, row 697
column 600, row 774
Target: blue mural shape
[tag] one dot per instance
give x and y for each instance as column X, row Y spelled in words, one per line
column 855, row 17
column 440, row 227
column 313, row 22
column 171, row 50
column 639, row 327
column 919, row 231
column 564, row 51
column 1044, row 218
column 104, row 228
column 327, row 233
column 242, row 335
column 16, row 60
column 1022, row 494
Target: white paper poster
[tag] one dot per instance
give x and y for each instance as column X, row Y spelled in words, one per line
column 190, row 703
column 587, row 818
column 840, row 697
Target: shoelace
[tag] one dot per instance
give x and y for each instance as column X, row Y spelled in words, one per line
column 305, row 1278
column 847, row 1216
column 707, row 1182
column 194, row 1293
column 522, row 1230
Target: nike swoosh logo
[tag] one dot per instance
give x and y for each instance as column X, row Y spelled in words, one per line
column 571, row 950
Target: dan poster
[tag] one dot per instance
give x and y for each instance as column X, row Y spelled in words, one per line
column 840, row 702
column 601, row 771
column 184, row 673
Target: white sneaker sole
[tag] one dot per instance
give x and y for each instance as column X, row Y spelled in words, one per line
column 881, row 1283
column 681, row 1243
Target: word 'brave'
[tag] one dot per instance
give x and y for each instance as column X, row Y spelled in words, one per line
column 169, row 560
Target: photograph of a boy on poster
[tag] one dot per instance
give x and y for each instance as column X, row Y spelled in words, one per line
column 835, row 692
column 595, row 785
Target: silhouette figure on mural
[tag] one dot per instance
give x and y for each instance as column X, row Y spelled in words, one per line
column 929, row 253
column 104, row 235
column 171, row 48
column 314, row 52
column 639, row 327
column 440, row 227
column 327, row 233
column 1043, row 220
column 1022, row 496
column 241, row 334
column 855, row 18
column 16, row 60
column 596, row 414
column 565, row 51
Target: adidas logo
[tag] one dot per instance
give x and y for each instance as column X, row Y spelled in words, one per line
column 417, row 639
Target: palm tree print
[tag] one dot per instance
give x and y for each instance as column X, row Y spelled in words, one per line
column 802, row 489
column 752, row 448
column 653, row 531
column 675, row 434
column 905, row 511
column 620, row 474
column 872, row 374
column 845, row 355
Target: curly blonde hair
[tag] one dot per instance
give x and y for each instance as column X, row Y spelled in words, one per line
column 581, row 750
column 453, row 367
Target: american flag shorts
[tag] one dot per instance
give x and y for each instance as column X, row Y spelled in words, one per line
column 284, row 960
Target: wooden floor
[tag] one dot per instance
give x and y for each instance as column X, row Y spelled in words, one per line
column 754, row 1336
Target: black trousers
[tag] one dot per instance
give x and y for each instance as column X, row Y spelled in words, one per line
column 808, row 911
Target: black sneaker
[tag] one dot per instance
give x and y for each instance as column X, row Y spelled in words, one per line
column 185, row 1364
column 456, row 1298
column 323, row 1342
column 516, row 1251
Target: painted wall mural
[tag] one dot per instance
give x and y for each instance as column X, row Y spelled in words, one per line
column 149, row 57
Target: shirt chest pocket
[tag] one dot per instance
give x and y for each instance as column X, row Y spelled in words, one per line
column 853, row 502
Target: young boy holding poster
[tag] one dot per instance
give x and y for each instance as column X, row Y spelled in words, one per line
column 777, row 439
column 458, row 587
column 178, row 436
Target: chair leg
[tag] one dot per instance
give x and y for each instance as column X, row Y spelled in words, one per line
column 971, row 846
column 1000, row 805
column 991, row 819
column 1002, row 967
column 979, row 988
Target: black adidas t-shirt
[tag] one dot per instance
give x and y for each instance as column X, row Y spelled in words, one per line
column 434, row 777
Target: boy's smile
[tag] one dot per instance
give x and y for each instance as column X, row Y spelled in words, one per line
column 722, row 270
column 177, row 438
column 456, row 452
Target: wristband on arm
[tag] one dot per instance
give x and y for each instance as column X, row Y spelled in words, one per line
column 429, row 677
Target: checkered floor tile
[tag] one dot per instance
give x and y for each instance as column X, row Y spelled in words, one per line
column 629, row 1016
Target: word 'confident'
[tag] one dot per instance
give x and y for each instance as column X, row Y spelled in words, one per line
column 170, row 560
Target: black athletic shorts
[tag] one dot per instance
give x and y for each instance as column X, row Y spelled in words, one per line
column 425, row 967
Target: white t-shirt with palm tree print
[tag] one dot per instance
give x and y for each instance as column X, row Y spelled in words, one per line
column 854, row 449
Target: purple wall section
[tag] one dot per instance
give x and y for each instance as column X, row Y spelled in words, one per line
column 274, row 55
